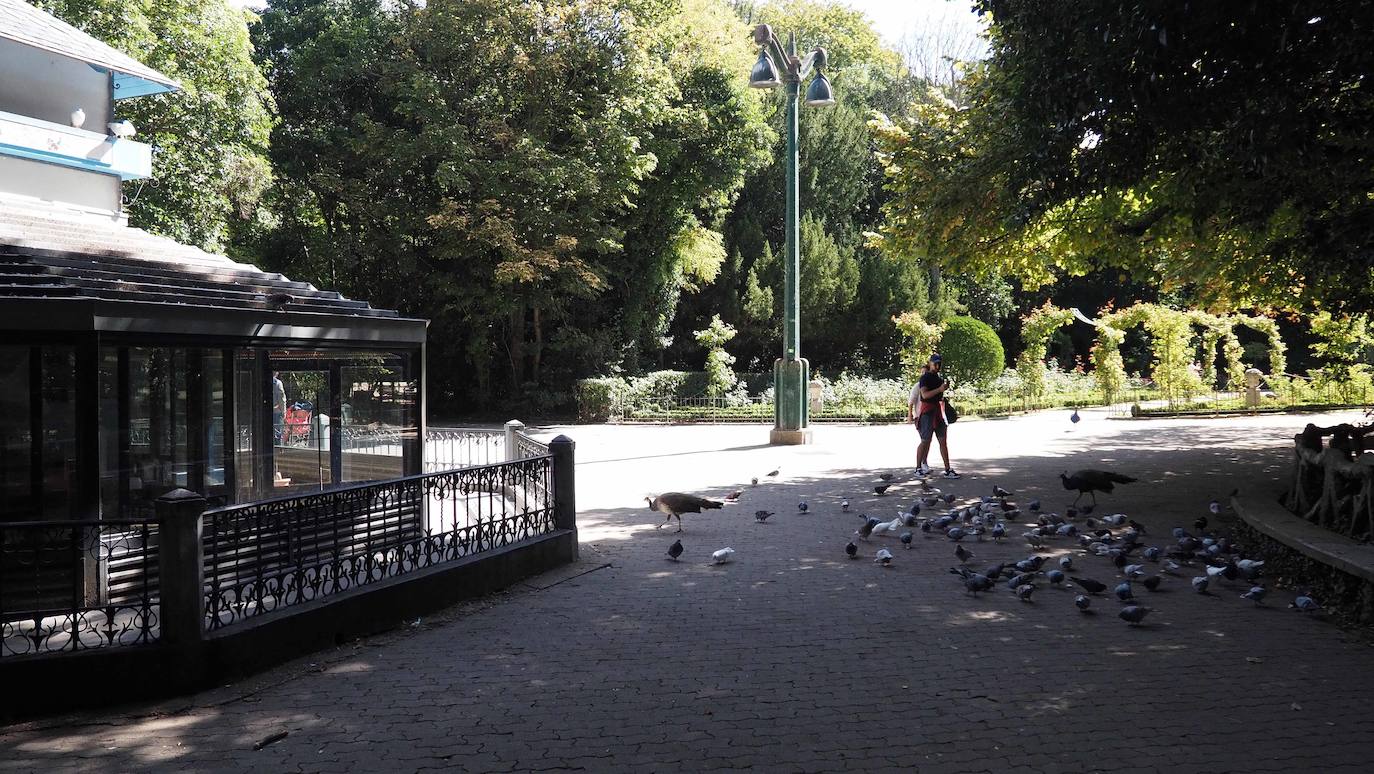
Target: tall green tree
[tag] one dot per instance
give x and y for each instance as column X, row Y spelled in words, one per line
column 1222, row 150
column 209, row 139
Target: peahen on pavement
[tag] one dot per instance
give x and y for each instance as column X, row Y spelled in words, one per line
column 1090, row 482
column 676, row 503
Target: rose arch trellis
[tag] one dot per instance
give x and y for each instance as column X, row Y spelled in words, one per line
column 1171, row 334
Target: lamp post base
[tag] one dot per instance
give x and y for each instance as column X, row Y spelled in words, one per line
column 778, row 437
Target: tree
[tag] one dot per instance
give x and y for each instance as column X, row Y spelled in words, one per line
column 971, row 351
column 209, row 170
column 1219, row 150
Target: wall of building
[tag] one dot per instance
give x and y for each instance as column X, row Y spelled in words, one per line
column 53, row 183
column 41, row 85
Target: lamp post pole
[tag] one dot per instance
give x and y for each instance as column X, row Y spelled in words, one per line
column 791, row 372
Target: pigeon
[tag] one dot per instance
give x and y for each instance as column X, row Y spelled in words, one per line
column 949, row 498
column 1066, row 530
column 1250, row 567
column 1134, row 571
column 1089, row 585
column 926, row 528
column 962, row 554
column 754, row 481
column 723, row 555
column 851, row 550
column 1030, row 564
column 1200, row 524
column 1152, row 553
column 885, row 476
column 1305, row 604
column 1255, row 594
column 1055, row 577
column 1082, row 602
column 1024, row 591
column 1090, row 482
column 1034, row 506
column 998, row 491
column 915, row 509
column 1023, row 579
column 1172, row 567
column 1074, row 418
column 675, row 550
column 880, row 489
column 802, row 507
column 956, row 534
column 1133, row 614
column 1072, row 513
column 762, row 516
column 1227, row 571
column 973, row 582
column 906, row 540
column 999, row 531
column 123, row 129
column 1200, row 584
column 1137, row 526
column 911, row 521
column 735, row 495
column 1123, row 592
column 1214, row 507
column 1033, row 539
column 676, row 503
column 844, row 505
column 773, row 473
column 1066, row 563
column 1151, row 583
column 867, row 528
column 883, row 557
column 78, row 118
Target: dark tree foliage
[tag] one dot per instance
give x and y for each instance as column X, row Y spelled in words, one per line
column 1224, row 147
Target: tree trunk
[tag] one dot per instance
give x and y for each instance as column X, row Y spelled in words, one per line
column 515, row 347
column 538, row 355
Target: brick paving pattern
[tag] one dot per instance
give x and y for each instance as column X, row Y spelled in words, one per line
column 794, row 658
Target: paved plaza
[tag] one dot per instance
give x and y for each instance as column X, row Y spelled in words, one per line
column 794, row 658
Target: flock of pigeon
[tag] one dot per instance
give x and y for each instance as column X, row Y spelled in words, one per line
column 1126, row 544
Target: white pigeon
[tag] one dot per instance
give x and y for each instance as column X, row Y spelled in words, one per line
column 1115, row 519
column 888, row 527
column 1249, row 565
column 1134, row 571
column 78, row 117
column 123, row 128
column 1213, row 572
column 883, row 556
column 844, row 505
column 723, row 555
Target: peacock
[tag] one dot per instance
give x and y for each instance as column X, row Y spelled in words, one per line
column 676, row 503
column 1091, row 482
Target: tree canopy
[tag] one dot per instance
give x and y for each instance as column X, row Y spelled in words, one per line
column 1220, row 149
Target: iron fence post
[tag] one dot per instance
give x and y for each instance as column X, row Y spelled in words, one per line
column 564, row 494
column 513, row 430
column 180, row 569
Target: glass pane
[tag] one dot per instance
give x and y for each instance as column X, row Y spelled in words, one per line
column 376, row 418
column 300, row 415
column 59, row 432
column 248, row 417
column 157, row 425
column 108, row 390
column 16, row 450
column 212, row 370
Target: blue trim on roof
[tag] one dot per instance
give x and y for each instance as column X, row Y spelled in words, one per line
column 127, row 86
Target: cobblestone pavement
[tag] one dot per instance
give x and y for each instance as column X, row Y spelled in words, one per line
column 793, row 658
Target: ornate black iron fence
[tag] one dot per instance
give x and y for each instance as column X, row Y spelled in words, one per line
column 77, row 585
column 270, row 555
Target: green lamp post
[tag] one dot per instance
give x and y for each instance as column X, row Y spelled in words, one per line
column 791, row 372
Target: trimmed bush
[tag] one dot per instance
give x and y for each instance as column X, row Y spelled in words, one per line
column 596, row 398
column 971, row 351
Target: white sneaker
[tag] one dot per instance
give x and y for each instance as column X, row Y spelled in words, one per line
column 923, row 470
column 949, row 474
